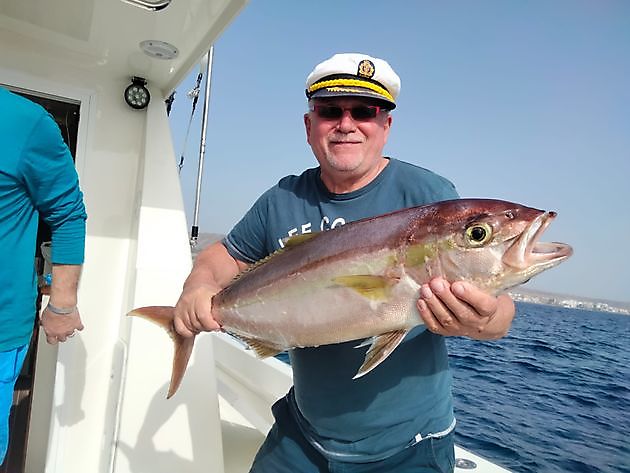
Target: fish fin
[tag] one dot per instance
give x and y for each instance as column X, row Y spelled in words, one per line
column 373, row 287
column 257, row 264
column 298, row 239
column 365, row 343
column 262, row 349
column 288, row 242
column 381, row 347
column 164, row 316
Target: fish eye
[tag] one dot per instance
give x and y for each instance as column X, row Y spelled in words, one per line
column 478, row 234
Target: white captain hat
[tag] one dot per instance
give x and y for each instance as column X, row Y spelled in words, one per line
column 353, row 74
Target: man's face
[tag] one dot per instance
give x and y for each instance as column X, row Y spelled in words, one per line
column 346, row 146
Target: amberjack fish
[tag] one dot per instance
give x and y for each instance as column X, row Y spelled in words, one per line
column 362, row 280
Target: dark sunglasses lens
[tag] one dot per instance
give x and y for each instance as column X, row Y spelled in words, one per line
column 334, row 112
column 363, row 112
column 329, row 111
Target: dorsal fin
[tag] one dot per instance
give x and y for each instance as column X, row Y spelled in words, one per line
column 288, row 243
column 299, row 239
column 258, row 263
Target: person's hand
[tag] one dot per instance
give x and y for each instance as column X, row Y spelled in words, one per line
column 60, row 327
column 193, row 312
column 461, row 309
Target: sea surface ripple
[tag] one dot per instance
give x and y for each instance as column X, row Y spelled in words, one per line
column 552, row 396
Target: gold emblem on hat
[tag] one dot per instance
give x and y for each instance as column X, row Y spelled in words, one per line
column 366, row 69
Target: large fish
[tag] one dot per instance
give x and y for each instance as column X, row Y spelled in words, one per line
column 361, row 280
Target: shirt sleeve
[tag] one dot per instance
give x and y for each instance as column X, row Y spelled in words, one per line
column 247, row 241
column 53, row 184
column 448, row 191
column 434, row 188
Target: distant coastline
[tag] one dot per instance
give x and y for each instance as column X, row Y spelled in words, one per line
column 573, row 302
column 520, row 294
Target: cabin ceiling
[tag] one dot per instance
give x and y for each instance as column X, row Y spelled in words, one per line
column 106, row 34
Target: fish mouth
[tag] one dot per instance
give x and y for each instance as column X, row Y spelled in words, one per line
column 527, row 252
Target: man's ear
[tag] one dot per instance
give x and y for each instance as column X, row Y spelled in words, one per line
column 388, row 125
column 307, row 126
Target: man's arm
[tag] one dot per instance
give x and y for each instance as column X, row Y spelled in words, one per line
column 461, row 309
column 61, row 318
column 214, row 269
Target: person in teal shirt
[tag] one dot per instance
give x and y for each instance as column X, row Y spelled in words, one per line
column 37, row 179
column 398, row 417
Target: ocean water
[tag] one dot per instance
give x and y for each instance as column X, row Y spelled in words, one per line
column 552, row 396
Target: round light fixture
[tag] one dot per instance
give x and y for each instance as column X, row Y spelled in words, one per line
column 159, row 49
column 136, row 94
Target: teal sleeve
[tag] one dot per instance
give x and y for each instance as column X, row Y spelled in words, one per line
column 247, row 240
column 53, row 184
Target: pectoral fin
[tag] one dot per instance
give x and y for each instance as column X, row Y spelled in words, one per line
column 375, row 288
column 381, row 347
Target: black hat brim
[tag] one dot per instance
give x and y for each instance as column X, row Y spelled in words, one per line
column 352, row 92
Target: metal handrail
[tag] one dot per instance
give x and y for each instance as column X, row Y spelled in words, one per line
column 155, row 5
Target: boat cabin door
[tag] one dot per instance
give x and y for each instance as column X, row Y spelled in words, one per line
column 66, row 115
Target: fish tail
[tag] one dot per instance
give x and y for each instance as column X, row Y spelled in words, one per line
column 164, row 316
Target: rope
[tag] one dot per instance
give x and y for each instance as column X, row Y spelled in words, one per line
column 194, row 95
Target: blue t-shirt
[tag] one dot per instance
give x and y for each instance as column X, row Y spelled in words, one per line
column 379, row 414
column 37, row 178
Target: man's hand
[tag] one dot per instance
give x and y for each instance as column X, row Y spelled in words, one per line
column 63, row 297
column 58, row 328
column 214, row 269
column 193, row 312
column 461, row 309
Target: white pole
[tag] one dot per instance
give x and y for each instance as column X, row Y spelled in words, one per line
column 194, row 234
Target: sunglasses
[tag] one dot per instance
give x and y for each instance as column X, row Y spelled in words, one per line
column 357, row 112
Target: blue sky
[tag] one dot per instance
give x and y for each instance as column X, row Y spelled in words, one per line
column 527, row 101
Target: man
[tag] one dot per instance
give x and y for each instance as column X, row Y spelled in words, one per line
column 37, row 179
column 399, row 417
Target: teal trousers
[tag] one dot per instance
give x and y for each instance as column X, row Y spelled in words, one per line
column 10, row 365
